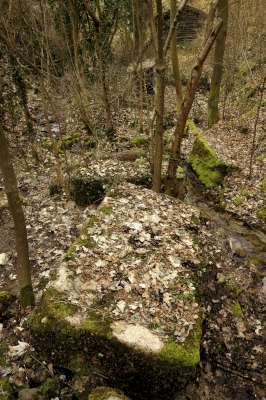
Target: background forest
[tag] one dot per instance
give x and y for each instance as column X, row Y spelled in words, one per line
column 132, row 199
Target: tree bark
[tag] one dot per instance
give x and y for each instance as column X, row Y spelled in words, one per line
column 102, row 68
column 23, row 264
column 174, row 58
column 217, row 74
column 21, row 92
column 188, row 101
column 158, row 102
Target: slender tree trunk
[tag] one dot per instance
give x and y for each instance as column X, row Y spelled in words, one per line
column 23, row 264
column 159, row 102
column 253, row 146
column 174, row 58
column 217, row 75
column 21, row 92
column 188, row 101
column 102, row 67
column 138, row 56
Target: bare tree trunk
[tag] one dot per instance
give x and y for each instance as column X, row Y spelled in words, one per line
column 23, row 264
column 21, row 92
column 161, row 53
column 253, row 146
column 102, row 68
column 174, row 58
column 188, row 101
column 217, row 75
column 138, row 56
column 159, row 102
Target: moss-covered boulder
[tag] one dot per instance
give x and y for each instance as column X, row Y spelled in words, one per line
column 206, row 164
column 123, row 301
column 85, row 191
column 105, row 393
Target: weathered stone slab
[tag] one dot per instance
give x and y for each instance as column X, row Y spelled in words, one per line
column 124, row 291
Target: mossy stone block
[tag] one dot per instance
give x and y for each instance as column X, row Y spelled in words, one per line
column 209, row 169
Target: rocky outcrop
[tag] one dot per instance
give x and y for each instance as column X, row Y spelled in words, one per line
column 123, row 294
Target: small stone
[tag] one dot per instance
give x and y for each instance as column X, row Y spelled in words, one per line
column 220, row 277
column 3, row 259
column 240, row 246
column 121, row 305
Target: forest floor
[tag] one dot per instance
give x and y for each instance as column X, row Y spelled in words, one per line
column 230, row 239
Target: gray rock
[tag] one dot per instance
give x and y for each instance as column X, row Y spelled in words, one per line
column 240, row 246
column 3, row 259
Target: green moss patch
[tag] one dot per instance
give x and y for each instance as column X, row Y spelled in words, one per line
column 53, row 307
column 84, row 239
column 237, row 310
column 6, row 390
column 105, row 209
column 210, row 170
column 50, row 388
column 53, row 313
column 261, row 213
column 186, row 354
column 68, row 141
column 139, row 140
column 263, row 187
column 238, row 200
